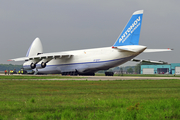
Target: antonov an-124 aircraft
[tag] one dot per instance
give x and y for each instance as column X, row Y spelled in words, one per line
column 88, row 61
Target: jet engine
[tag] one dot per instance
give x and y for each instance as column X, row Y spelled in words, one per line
column 29, row 65
column 41, row 65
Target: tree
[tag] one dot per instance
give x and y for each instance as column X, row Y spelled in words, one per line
column 130, row 70
column 9, row 67
column 138, row 68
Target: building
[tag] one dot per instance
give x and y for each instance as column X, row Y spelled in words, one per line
column 173, row 68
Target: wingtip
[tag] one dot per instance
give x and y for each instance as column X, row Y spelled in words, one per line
column 170, row 49
column 9, row 60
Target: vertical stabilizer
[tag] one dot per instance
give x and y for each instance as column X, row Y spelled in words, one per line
column 35, row 48
column 131, row 33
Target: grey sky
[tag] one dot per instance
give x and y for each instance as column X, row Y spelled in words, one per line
column 77, row 24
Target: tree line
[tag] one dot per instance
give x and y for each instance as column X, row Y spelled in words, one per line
column 4, row 67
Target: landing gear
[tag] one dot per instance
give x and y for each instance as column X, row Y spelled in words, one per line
column 109, row 73
column 72, row 73
column 87, row 74
column 36, row 72
column 75, row 73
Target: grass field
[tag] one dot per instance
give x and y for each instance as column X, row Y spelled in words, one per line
column 118, row 100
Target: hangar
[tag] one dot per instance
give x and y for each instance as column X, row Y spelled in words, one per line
column 173, row 68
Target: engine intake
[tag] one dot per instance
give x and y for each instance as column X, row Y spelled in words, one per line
column 33, row 65
column 29, row 67
column 40, row 66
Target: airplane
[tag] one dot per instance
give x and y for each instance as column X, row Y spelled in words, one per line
column 89, row 61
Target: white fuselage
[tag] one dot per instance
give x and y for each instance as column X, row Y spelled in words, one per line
column 89, row 60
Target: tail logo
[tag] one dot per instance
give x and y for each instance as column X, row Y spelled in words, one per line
column 130, row 30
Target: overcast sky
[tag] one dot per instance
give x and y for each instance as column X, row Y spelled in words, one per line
column 65, row 25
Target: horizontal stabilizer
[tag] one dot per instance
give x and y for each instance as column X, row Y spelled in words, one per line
column 125, row 49
column 157, row 50
column 149, row 61
column 131, row 48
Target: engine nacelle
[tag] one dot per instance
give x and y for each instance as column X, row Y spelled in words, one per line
column 29, row 65
column 41, row 65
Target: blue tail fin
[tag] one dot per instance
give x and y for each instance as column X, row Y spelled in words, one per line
column 131, row 33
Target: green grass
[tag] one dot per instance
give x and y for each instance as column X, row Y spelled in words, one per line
column 126, row 100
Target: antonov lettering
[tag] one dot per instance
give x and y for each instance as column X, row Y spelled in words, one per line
column 130, row 30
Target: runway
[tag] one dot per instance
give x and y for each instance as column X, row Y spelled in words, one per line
column 97, row 78
column 103, row 78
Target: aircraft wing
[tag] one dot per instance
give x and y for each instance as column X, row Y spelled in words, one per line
column 43, row 56
column 149, row 61
column 19, row 59
column 157, row 50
